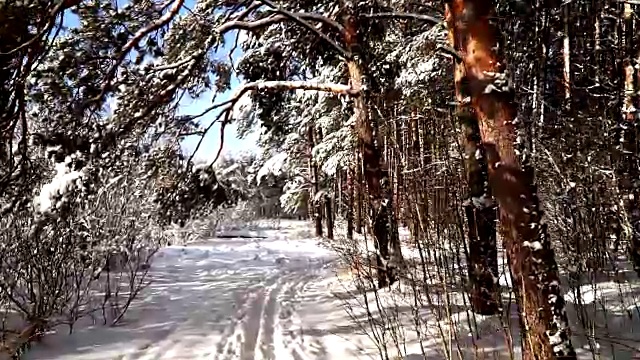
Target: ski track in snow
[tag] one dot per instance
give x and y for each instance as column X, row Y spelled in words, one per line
column 223, row 299
column 276, row 297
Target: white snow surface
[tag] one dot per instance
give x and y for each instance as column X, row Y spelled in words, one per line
column 272, row 292
column 60, row 185
column 224, row 298
column 438, row 324
column 275, row 165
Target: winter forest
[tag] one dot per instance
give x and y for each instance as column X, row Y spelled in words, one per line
column 455, row 179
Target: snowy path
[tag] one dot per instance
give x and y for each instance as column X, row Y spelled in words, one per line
column 275, row 297
column 236, row 299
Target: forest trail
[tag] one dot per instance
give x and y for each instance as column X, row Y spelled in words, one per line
column 221, row 299
column 275, row 296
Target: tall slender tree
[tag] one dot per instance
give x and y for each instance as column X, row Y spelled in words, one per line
column 546, row 333
column 376, row 178
column 628, row 170
column 479, row 208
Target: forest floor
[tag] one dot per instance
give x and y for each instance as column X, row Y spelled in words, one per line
column 265, row 297
column 273, row 293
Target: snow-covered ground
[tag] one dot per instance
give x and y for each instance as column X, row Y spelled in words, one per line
column 436, row 321
column 231, row 298
column 272, row 293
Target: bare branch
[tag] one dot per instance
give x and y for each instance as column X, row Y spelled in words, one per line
column 276, row 19
column 300, row 20
column 226, row 107
column 224, row 125
column 450, row 51
column 407, row 16
column 164, row 20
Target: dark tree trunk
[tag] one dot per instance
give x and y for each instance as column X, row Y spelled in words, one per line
column 358, row 186
column 399, row 170
column 329, row 215
column 480, row 212
column 628, row 169
column 316, row 208
column 378, row 186
column 337, row 203
column 532, row 259
column 350, row 204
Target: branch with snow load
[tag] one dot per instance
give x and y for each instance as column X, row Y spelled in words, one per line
column 301, row 17
column 282, row 16
column 405, row 16
column 227, row 106
column 304, row 18
column 132, row 43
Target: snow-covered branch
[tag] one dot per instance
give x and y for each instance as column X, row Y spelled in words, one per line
column 406, row 16
column 133, row 42
column 227, row 106
column 284, row 15
column 313, row 17
column 301, row 17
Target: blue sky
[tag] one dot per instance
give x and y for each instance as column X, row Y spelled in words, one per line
column 233, row 145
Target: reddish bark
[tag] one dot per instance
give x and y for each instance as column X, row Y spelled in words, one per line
column 532, row 260
column 480, row 210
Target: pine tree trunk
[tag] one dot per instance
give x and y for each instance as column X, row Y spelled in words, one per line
column 532, row 259
column 329, row 215
column 399, row 168
column 316, row 208
column 480, row 209
column 350, row 204
column 628, row 171
column 358, row 193
column 377, row 179
column 338, row 205
column 416, row 163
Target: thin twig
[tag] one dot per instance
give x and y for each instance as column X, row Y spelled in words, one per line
column 407, row 16
column 450, row 51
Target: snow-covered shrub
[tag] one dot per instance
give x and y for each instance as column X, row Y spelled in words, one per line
column 55, row 262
